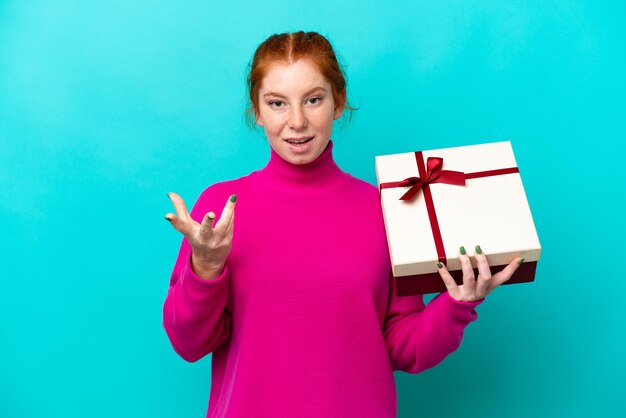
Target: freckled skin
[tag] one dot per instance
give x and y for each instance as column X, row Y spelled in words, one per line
column 297, row 114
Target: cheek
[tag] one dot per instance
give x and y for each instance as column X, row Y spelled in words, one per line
column 324, row 119
column 274, row 125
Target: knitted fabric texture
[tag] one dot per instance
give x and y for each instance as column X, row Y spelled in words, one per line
column 303, row 320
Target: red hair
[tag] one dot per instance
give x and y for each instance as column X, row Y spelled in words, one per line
column 289, row 48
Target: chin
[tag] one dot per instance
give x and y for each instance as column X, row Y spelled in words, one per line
column 300, row 160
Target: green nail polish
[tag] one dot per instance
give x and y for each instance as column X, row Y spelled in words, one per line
column 462, row 249
column 168, row 195
column 521, row 261
column 478, row 250
column 439, row 265
column 233, row 198
column 167, row 219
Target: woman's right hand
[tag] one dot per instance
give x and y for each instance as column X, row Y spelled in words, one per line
column 209, row 245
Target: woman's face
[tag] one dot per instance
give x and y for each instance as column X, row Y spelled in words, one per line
column 296, row 103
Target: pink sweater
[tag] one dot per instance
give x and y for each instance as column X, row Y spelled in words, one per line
column 304, row 320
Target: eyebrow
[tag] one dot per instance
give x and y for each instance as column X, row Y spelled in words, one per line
column 271, row 93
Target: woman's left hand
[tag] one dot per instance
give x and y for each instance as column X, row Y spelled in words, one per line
column 475, row 289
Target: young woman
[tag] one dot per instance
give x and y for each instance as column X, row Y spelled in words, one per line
column 297, row 303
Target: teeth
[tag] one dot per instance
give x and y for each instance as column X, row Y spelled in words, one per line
column 298, row 142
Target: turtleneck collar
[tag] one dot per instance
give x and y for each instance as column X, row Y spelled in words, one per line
column 319, row 174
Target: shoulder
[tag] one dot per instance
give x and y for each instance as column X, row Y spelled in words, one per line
column 225, row 188
column 362, row 200
column 361, row 195
column 221, row 188
column 362, row 188
column 214, row 197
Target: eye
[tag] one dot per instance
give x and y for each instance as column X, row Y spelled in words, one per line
column 275, row 103
column 315, row 100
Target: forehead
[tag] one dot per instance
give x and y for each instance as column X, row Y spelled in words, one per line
column 296, row 77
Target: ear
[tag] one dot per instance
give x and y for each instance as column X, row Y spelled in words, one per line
column 341, row 103
column 257, row 119
column 339, row 110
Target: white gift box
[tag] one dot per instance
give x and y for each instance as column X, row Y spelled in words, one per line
column 490, row 210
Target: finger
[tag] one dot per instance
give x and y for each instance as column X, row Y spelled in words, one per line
column 228, row 235
column 206, row 227
column 180, row 225
column 179, row 205
column 484, row 272
column 227, row 213
column 469, row 281
column 229, row 230
column 505, row 274
column 448, row 280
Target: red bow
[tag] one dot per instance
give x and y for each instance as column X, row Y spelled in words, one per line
column 434, row 174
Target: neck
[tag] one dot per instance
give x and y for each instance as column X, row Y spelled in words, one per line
column 320, row 173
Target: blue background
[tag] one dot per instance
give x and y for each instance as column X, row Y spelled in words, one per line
column 106, row 106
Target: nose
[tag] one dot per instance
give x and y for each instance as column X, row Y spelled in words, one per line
column 297, row 119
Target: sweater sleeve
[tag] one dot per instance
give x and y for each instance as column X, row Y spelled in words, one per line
column 195, row 317
column 419, row 337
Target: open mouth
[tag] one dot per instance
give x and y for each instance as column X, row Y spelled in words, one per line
column 299, row 142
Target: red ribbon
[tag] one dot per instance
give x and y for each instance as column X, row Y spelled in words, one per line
column 435, row 174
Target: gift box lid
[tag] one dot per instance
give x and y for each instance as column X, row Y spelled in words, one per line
column 490, row 211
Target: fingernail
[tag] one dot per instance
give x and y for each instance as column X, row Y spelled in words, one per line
column 478, row 250
column 521, row 261
column 462, row 249
column 168, row 219
column 439, row 265
column 233, row 198
column 168, row 195
column 208, row 215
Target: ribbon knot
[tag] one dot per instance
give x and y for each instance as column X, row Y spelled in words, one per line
column 434, row 174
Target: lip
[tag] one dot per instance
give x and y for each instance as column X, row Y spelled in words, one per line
column 298, row 139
